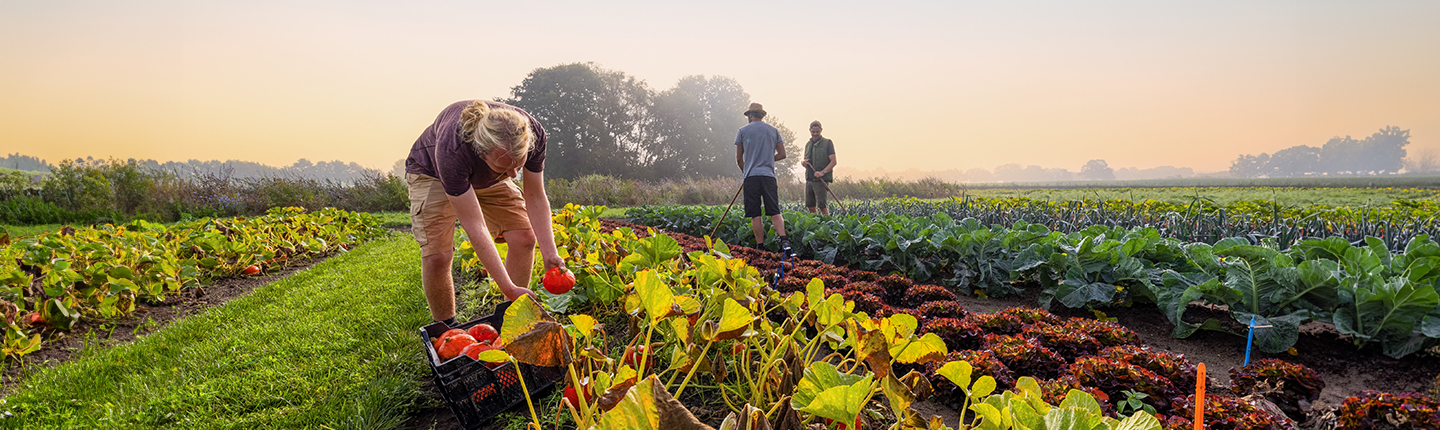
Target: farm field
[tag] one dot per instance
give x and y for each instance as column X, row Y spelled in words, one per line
column 622, row 269
column 1285, row 196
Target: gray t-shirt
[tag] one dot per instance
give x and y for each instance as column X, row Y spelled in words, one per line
column 759, row 140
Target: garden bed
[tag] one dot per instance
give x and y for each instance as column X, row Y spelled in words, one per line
column 147, row 317
column 1335, row 361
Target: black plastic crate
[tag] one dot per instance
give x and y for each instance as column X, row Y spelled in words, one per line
column 475, row 392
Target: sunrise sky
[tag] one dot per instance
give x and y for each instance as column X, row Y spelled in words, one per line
column 928, row 85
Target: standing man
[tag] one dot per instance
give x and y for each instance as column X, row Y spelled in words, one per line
column 757, row 148
column 461, row 168
column 819, row 151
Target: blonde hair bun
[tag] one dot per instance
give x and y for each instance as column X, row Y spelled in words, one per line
column 487, row 128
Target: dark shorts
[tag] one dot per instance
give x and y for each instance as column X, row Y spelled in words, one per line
column 817, row 194
column 758, row 189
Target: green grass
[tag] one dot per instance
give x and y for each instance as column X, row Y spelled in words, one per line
column 392, row 219
column 333, row 346
column 19, row 231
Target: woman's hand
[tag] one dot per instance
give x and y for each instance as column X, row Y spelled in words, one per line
column 554, row 261
column 514, row 292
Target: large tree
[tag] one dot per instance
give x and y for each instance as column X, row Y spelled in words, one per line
column 596, row 119
column 694, row 128
column 1385, row 151
column 1097, row 170
column 1249, row 166
column 785, row 169
column 1297, row 160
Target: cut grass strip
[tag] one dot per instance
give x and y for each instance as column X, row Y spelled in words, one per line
column 333, row 346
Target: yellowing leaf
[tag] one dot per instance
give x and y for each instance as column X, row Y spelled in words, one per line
column 958, row 372
column 647, row 406
column 532, row 336
column 983, row 386
column 734, row 319
column 815, row 292
column 819, row 377
column 841, row 403
column 584, row 324
column 494, row 356
column 926, row 349
column 655, row 297
column 902, row 325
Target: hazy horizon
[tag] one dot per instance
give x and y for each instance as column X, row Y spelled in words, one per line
column 956, row 86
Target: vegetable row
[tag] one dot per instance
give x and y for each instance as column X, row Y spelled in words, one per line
column 710, row 317
column 52, row 281
column 1201, row 220
column 1371, row 292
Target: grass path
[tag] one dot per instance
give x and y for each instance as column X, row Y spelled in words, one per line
column 332, row 346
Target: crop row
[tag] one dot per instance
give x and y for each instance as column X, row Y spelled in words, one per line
column 49, row 282
column 1202, row 220
column 1367, row 291
column 686, row 296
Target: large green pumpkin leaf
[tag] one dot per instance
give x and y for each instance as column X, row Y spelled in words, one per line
column 734, row 320
column 647, row 406
column 1139, row 421
column 819, row 377
column 655, row 297
column 926, row 349
column 840, row 403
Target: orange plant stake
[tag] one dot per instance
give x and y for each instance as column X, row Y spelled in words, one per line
column 1200, row 397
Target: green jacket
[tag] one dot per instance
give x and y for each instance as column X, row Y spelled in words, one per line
column 818, row 152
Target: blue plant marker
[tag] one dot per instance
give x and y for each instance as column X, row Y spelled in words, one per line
column 1249, row 339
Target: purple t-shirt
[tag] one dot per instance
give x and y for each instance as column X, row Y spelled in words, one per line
column 440, row 153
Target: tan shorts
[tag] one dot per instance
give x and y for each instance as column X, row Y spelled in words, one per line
column 432, row 218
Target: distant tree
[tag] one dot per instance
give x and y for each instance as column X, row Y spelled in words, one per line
column 977, row 174
column 1249, row 166
column 595, row 118
column 784, row 169
column 1097, row 170
column 1294, row 161
column 1340, row 156
column 1008, row 172
column 25, row 162
column 398, row 169
column 1385, row 151
column 693, row 128
column 1425, row 160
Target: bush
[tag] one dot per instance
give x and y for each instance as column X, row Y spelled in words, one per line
column 1174, row 367
column 1290, row 386
column 834, row 281
column 863, row 276
column 982, row 363
column 942, row 309
column 1376, row 410
column 958, row 334
column 1114, row 377
column 1025, row 356
column 1108, row 333
column 1069, row 343
column 996, row 323
column 921, row 294
column 1226, row 413
column 1053, row 391
column 92, row 191
column 1028, row 315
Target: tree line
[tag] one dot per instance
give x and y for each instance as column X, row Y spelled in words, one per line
column 1382, row 153
column 606, row 122
column 337, row 170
